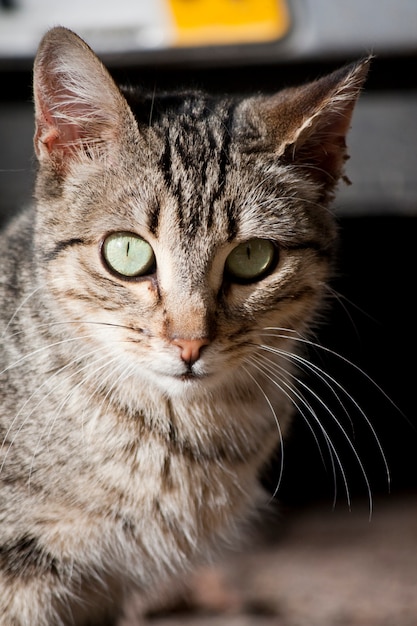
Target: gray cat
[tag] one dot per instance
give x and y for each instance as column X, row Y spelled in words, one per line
column 153, row 303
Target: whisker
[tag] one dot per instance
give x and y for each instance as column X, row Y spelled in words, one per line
column 69, row 395
column 332, row 450
column 66, row 398
column 346, row 437
column 332, row 384
column 324, row 376
column 341, row 358
column 281, row 471
column 76, row 323
column 285, row 375
column 45, row 348
column 30, row 398
column 102, row 381
column 341, row 299
column 19, row 308
column 321, row 374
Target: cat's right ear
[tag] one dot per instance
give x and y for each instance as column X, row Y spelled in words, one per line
column 79, row 110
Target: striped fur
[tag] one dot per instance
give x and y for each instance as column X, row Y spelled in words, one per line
column 123, row 461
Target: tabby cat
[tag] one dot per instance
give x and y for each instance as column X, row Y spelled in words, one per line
column 154, row 301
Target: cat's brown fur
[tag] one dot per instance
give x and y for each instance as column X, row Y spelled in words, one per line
column 137, row 413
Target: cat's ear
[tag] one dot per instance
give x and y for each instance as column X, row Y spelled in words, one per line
column 79, row 110
column 308, row 124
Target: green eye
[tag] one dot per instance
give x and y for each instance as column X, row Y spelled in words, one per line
column 128, row 255
column 251, row 260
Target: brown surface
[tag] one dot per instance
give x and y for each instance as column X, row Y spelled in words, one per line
column 314, row 567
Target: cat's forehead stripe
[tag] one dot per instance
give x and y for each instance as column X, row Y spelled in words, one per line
column 194, row 162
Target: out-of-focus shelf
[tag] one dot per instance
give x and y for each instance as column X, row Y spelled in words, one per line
column 135, row 32
column 383, row 163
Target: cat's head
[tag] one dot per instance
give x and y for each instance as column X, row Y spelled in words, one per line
column 172, row 230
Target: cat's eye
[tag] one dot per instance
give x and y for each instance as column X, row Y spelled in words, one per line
column 252, row 260
column 128, row 255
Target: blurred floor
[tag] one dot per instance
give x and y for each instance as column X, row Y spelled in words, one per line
column 314, row 567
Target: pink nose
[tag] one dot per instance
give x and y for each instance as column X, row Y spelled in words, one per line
column 190, row 348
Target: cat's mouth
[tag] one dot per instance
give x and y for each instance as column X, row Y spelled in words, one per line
column 190, row 377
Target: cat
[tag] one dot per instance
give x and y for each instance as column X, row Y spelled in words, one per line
column 155, row 300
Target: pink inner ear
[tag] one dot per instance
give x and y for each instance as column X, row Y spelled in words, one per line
column 57, row 135
column 58, row 126
column 80, row 111
column 66, row 121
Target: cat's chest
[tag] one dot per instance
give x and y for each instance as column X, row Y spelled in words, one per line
column 143, row 483
column 138, row 507
column 108, row 458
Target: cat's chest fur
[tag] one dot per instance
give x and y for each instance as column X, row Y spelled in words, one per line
column 155, row 304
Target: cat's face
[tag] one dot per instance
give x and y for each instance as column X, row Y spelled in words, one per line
column 219, row 281
column 167, row 248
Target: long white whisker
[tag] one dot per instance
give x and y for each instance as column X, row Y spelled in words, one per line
column 325, row 377
column 341, row 299
column 29, row 355
column 281, row 471
column 21, row 305
column 332, row 450
column 341, row 358
column 271, row 366
column 71, row 323
column 321, row 374
column 347, row 439
column 125, row 373
column 67, row 397
column 30, row 398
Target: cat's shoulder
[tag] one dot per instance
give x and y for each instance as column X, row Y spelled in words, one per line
column 20, row 225
column 16, row 244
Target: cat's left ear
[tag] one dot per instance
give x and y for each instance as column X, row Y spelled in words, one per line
column 307, row 125
column 79, row 110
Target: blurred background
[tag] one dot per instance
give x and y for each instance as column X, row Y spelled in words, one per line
column 247, row 46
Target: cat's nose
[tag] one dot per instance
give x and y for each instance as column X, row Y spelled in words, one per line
column 190, row 348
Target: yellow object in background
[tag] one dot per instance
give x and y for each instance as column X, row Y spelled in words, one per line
column 211, row 22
